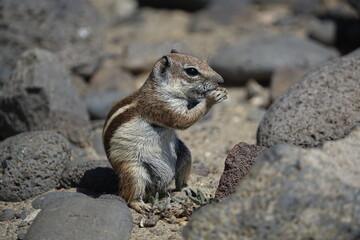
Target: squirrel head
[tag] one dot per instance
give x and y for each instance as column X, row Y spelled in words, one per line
column 184, row 76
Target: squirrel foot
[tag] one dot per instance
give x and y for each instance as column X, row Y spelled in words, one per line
column 140, row 207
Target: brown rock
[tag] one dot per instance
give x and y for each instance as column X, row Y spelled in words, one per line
column 237, row 165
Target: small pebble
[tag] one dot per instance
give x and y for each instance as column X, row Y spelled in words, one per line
column 7, row 214
column 24, row 214
column 149, row 221
column 21, row 236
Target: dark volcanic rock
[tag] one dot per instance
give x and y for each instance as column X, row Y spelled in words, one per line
column 324, row 105
column 96, row 175
column 237, row 165
column 82, row 218
column 290, row 193
column 39, row 96
column 31, row 163
column 258, row 57
column 73, row 29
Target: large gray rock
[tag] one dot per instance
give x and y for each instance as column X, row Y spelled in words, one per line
column 73, row 29
column 82, row 218
column 39, row 96
column 31, row 164
column 323, row 106
column 258, row 57
column 291, row 193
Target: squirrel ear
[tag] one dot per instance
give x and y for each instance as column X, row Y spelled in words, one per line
column 165, row 63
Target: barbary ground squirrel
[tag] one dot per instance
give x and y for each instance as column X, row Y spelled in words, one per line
column 139, row 132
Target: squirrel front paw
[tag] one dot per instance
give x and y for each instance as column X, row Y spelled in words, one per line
column 217, row 95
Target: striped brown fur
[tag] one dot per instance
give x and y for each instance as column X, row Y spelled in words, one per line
column 126, row 116
column 119, row 120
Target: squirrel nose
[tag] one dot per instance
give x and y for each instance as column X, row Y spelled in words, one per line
column 218, row 79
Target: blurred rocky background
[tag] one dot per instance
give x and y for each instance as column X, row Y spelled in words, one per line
column 281, row 154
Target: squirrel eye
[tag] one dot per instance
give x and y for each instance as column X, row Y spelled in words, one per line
column 192, row 72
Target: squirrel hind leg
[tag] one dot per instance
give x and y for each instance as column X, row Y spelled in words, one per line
column 132, row 182
column 183, row 166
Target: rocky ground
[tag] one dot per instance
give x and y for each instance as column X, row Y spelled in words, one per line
column 64, row 63
column 210, row 140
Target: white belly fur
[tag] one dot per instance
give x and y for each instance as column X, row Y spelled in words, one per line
column 149, row 145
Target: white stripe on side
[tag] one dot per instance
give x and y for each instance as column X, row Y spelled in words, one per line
column 117, row 113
